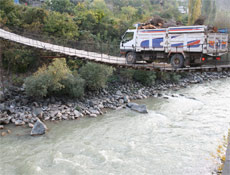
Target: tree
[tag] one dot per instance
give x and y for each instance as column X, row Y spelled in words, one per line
column 194, row 10
column 60, row 5
column 60, row 25
column 209, row 10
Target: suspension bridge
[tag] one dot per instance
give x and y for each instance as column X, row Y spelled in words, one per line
column 103, row 58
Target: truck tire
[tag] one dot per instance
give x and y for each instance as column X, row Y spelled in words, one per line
column 177, row 61
column 131, row 58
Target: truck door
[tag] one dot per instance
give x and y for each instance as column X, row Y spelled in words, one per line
column 128, row 41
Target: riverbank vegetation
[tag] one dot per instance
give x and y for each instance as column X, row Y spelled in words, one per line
column 58, row 79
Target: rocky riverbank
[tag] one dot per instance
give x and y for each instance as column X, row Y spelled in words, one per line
column 17, row 108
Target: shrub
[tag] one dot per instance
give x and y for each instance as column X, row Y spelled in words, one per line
column 74, row 86
column 54, row 79
column 17, row 80
column 145, row 77
column 19, row 60
column 175, row 77
column 126, row 75
column 37, row 85
column 96, row 75
column 164, row 76
column 74, row 64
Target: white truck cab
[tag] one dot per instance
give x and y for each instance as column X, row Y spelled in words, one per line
column 128, row 40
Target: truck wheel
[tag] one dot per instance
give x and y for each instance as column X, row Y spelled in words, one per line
column 131, row 58
column 177, row 61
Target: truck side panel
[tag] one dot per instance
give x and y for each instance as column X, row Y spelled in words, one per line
column 217, row 44
column 186, row 42
column 150, row 40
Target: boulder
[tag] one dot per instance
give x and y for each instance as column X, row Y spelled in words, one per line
column 94, row 111
column 25, row 101
column 119, row 93
column 2, row 107
column 37, row 112
column 91, row 103
column 1, row 127
column 126, row 99
column 31, row 125
column 93, row 115
column 39, row 128
column 77, row 114
column 138, row 108
column 3, row 134
column 19, row 123
column 59, row 115
column 121, row 101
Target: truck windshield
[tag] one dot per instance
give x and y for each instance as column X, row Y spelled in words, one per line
column 128, row 37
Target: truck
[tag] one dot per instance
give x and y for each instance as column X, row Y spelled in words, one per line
column 181, row 46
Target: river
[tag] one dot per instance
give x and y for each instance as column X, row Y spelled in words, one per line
column 176, row 137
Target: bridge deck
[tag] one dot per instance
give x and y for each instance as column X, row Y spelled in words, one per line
column 102, row 58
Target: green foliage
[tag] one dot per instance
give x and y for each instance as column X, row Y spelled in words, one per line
column 91, row 21
column 18, row 59
column 33, row 19
column 38, row 84
column 10, row 13
column 126, row 75
column 61, row 26
column 175, row 77
column 147, row 78
column 95, row 21
column 74, row 64
column 74, row 86
column 17, row 80
column 166, row 76
column 54, row 79
column 96, row 75
column 59, row 5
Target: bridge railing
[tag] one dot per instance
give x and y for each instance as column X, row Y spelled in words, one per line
column 91, row 46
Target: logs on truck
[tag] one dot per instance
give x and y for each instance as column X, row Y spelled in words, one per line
column 158, row 23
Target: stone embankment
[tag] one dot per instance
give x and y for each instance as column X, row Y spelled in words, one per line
column 17, row 108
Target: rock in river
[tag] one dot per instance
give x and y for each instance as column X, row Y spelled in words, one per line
column 37, row 112
column 39, row 128
column 138, row 108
